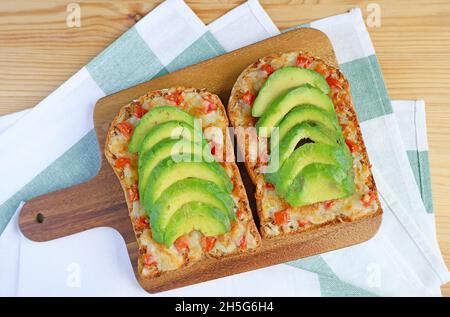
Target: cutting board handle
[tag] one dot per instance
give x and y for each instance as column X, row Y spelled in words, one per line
column 96, row 203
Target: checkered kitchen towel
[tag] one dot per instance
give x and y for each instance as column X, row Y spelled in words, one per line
column 378, row 267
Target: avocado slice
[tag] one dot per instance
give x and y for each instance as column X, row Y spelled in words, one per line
column 168, row 130
column 168, row 172
column 168, row 148
column 183, row 192
column 307, row 154
column 320, row 182
column 196, row 216
column 317, row 134
column 308, row 113
column 153, row 117
column 303, row 131
column 305, row 94
column 282, row 80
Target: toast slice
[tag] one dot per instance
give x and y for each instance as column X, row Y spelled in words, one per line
column 364, row 203
column 157, row 258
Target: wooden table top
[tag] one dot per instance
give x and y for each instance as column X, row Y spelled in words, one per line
column 38, row 52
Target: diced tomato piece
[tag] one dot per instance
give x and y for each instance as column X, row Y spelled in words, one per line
column 210, row 105
column 149, row 259
column 367, row 199
column 302, row 223
column 213, row 148
column 330, row 203
column 303, row 61
column 139, row 111
column 122, row 161
column 269, row 185
column 281, row 217
column 126, row 128
column 332, row 82
column 133, row 193
column 182, row 244
column 243, row 242
column 141, row 223
column 208, row 243
column 268, row 69
column 351, row 145
column 248, row 98
column 239, row 213
column 175, row 97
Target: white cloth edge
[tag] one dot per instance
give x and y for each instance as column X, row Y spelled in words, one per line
column 436, row 262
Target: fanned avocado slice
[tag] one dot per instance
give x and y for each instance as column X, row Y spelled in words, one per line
column 169, row 130
column 317, row 134
column 168, row 172
column 303, row 131
column 196, row 216
column 178, row 150
column 153, row 117
column 308, row 154
column 284, row 79
column 320, row 182
column 183, row 192
column 302, row 95
column 308, row 113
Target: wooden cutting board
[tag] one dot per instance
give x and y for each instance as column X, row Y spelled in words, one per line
column 100, row 202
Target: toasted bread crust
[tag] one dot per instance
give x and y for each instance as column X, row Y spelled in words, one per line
column 125, row 113
column 236, row 118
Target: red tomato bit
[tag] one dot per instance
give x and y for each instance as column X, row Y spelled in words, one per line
column 210, row 105
column 281, row 217
column 239, row 214
column 268, row 69
column 175, row 97
column 213, row 148
column 302, row 223
column 208, row 243
column 248, row 98
column 334, row 82
column 182, row 244
column 351, row 145
column 303, row 61
column 149, row 259
column 269, row 186
column 122, row 161
column 126, row 128
column 330, row 203
column 141, row 223
column 139, row 111
column 243, row 242
column 367, row 199
column 133, row 193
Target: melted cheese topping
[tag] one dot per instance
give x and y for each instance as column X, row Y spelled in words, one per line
column 364, row 200
column 155, row 257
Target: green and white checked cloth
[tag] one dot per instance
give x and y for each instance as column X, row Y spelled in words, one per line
column 402, row 259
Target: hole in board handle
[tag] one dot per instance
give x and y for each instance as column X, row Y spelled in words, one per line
column 40, row 218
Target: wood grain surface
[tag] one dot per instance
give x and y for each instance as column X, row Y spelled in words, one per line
column 38, row 52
